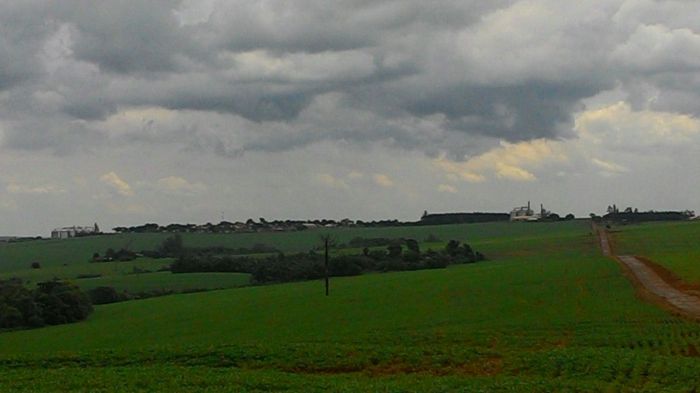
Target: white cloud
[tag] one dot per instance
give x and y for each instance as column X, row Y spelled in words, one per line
column 331, row 181
column 117, row 184
column 302, row 67
column 659, row 48
column 15, row 188
column 515, row 173
column 510, row 161
column 180, row 185
column 447, row 188
column 355, row 175
column 383, row 180
column 608, row 168
column 618, row 126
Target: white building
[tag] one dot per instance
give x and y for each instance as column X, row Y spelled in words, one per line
column 525, row 213
column 68, row 232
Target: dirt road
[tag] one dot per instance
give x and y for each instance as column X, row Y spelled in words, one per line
column 644, row 276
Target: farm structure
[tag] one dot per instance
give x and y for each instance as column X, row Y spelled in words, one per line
column 525, row 213
column 74, row 231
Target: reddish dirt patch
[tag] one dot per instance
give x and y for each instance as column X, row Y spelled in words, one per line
column 483, row 367
column 678, row 297
column 670, row 277
column 486, row 366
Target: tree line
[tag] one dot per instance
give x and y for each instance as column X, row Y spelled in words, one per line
column 399, row 255
column 172, row 247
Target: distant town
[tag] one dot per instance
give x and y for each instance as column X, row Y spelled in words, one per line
column 523, row 213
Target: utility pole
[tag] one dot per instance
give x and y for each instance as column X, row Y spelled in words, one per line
column 326, row 242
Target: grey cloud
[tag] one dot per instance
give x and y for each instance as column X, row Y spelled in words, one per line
column 316, row 26
column 522, row 112
column 57, row 134
column 23, row 28
column 127, row 37
column 435, row 77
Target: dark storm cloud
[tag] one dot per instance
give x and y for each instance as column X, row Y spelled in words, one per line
column 23, row 28
column 126, row 37
column 528, row 111
column 433, row 76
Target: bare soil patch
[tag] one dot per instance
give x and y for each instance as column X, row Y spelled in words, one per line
column 655, row 283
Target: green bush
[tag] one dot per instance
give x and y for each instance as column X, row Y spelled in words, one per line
column 51, row 303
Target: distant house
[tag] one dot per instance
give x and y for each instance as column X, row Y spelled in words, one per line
column 74, row 231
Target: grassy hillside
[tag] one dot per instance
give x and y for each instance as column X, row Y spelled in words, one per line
column 14, row 256
column 549, row 314
column 69, row 258
column 674, row 245
column 167, row 281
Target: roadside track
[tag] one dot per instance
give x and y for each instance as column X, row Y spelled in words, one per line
column 645, row 277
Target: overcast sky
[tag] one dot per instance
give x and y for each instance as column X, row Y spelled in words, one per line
column 129, row 112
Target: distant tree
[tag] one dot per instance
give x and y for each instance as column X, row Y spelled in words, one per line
column 105, row 295
column 10, row 316
column 452, row 248
column 412, row 257
column 378, row 255
column 569, row 217
column 172, row 246
column 394, row 249
column 36, row 265
column 467, row 249
column 53, row 302
column 412, row 245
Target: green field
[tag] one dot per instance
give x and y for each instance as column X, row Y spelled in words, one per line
column 69, row 258
column 546, row 313
column 15, row 256
column 129, row 276
column 674, row 245
column 163, row 281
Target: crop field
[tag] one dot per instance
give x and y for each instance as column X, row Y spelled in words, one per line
column 141, row 275
column 69, row 258
column 674, row 245
column 548, row 312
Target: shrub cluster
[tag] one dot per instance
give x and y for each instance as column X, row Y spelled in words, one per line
column 51, row 303
column 121, row 255
column 308, row 266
